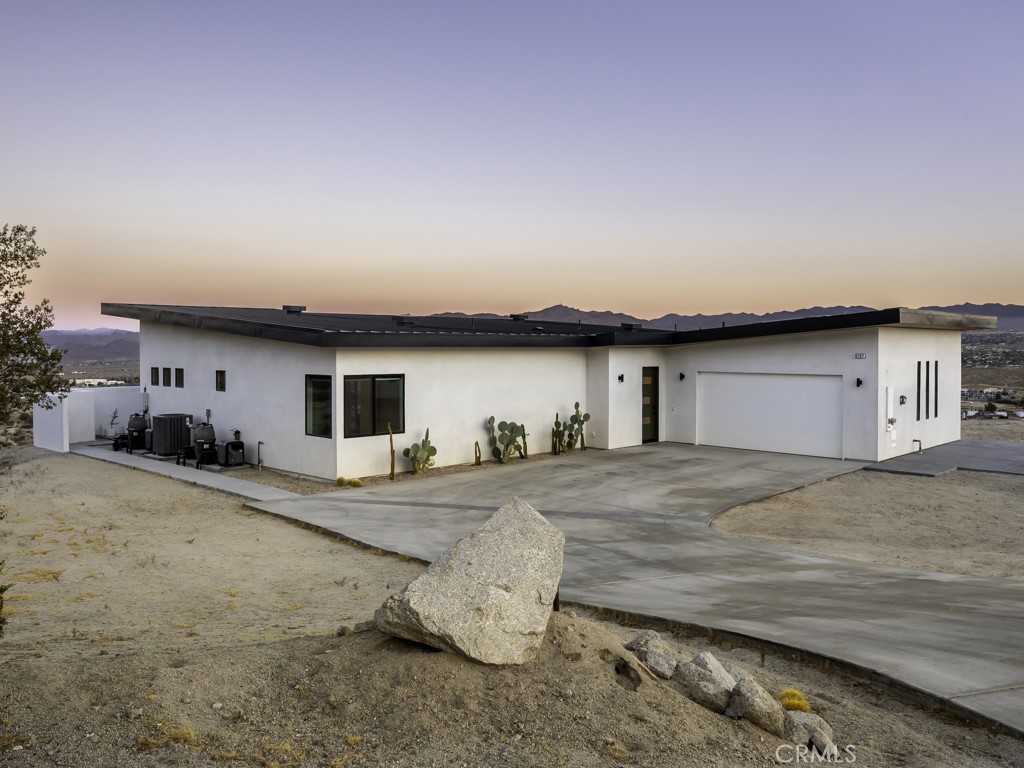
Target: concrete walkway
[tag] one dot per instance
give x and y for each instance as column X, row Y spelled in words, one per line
column 637, row 540
column 978, row 455
column 215, row 480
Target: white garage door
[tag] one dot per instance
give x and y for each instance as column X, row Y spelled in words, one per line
column 785, row 413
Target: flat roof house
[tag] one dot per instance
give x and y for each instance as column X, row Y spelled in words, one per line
column 320, row 389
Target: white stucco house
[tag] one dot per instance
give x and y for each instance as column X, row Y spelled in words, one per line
column 318, row 390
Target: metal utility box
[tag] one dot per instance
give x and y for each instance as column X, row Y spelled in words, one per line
column 230, row 453
column 171, row 433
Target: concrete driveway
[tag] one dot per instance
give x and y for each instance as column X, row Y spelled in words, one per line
column 637, row 540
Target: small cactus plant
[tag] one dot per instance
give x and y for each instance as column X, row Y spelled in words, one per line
column 421, row 455
column 575, row 430
column 557, row 437
column 505, row 440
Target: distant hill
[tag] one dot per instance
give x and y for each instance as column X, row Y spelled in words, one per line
column 1011, row 316
column 96, row 344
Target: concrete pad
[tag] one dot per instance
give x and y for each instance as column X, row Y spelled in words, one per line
column 976, row 455
column 214, row 480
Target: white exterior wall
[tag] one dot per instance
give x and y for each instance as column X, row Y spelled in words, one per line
column 615, row 406
column 827, row 352
column 453, row 391
column 900, row 350
column 50, row 426
column 127, row 400
column 265, row 396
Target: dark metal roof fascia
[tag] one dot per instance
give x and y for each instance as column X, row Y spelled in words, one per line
column 255, row 328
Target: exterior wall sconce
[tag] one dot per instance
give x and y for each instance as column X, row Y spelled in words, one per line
column 682, row 376
column 903, row 399
column 622, row 377
column 860, row 382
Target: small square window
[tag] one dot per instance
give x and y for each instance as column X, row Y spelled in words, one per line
column 167, row 377
column 154, row 376
column 221, row 380
column 179, row 377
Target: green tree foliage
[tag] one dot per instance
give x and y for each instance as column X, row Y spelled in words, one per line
column 29, row 367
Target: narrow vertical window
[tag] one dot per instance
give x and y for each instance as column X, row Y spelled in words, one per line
column 918, row 400
column 221, row 381
column 167, row 377
column 936, row 403
column 927, row 388
column 318, row 406
column 179, row 377
column 154, row 376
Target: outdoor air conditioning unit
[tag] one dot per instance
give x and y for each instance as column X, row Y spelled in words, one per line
column 171, row 433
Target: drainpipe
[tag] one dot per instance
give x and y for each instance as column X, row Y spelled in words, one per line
column 920, row 445
column 259, row 458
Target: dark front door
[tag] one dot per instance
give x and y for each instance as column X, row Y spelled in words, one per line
column 650, row 405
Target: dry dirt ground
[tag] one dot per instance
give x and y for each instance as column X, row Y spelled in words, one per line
column 1011, row 430
column 153, row 623
column 963, row 522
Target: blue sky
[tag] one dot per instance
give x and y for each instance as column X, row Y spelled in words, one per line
column 422, row 157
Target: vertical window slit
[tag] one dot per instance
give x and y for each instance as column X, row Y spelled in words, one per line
column 918, row 400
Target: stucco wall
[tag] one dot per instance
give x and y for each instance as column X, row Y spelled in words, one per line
column 50, row 426
column 830, row 353
column 900, row 351
column 615, row 406
column 453, row 391
column 264, row 398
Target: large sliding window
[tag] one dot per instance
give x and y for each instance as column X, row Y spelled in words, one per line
column 318, row 406
column 373, row 402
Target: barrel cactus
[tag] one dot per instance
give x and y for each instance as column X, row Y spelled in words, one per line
column 421, row 455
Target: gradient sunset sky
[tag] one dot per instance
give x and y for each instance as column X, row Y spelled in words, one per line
column 419, row 157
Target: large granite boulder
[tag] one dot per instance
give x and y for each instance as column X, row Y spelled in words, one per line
column 490, row 595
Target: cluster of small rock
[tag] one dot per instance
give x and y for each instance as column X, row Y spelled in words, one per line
column 729, row 691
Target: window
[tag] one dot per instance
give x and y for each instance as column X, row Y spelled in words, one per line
column 935, row 402
column 154, row 376
column 918, row 401
column 179, row 377
column 167, row 377
column 373, row 402
column 318, row 406
column 221, row 380
column 927, row 389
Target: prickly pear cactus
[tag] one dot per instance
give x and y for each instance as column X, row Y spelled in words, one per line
column 557, row 437
column 576, row 429
column 504, row 440
column 421, row 455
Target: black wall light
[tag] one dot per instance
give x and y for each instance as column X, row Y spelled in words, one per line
column 903, row 399
column 622, row 377
column 860, row 382
column 682, row 376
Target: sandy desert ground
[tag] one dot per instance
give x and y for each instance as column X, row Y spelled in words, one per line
column 963, row 522
column 153, row 623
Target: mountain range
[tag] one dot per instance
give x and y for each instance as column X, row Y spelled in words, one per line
column 108, row 344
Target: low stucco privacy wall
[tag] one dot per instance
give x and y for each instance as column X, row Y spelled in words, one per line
column 82, row 415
